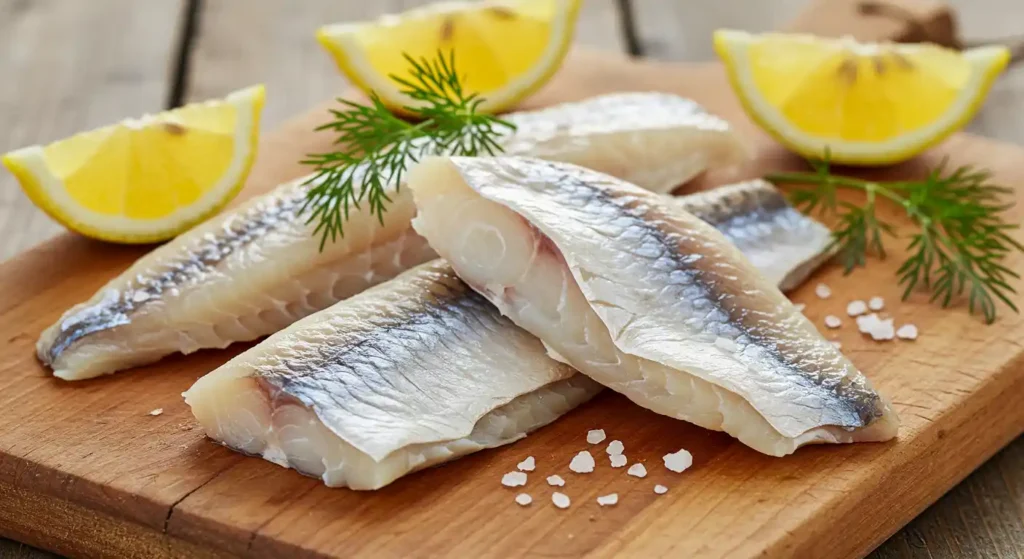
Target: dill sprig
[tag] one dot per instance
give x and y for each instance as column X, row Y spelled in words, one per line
column 376, row 147
column 960, row 243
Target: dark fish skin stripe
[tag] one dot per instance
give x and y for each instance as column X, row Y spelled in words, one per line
column 237, row 233
column 447, row 310
column 751, row 201
column 653, row 228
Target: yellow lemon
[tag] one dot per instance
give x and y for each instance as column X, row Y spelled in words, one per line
column 148, row 179
column 867, row 104
column 504, row 50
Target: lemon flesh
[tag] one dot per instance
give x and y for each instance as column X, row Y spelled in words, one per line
column 503, row 50
column 148, row 179
column 864, row 103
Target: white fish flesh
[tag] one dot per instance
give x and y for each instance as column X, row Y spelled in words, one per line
column 347, row 395
column 414, row 372
column 646, row 299
column 254, row 270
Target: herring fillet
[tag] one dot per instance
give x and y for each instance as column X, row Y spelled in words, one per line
column 646, row 299
column 298, row 399
column 410, row 373
column 782, row 243
column 254, row 270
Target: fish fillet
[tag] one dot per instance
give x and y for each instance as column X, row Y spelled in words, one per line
column 411, row 373
column 646, row 299
column 254, row 270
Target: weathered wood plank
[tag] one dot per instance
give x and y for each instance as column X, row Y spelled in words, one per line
column 271, row 42
column 72, row 66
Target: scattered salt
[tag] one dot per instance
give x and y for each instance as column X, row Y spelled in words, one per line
column 678, row 461
column 867, row 322
column 637, row 470
column 856, row 308
column 608, row 500
column 523, row 499
column 527, row 465
column 561, row 500
column 822, row 291
column 513, row 479
column 883, row 330
column 582, row 463
column 556, row 481
column 156, row 412
column 832, row 321
column 615, row 447
column 907, row 332
column 660, row 489
column 876, row 303
column 595, row 436
column 618, row 460
column 800, row 307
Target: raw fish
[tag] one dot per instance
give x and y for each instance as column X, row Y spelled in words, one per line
column 254, row 270
column 646, row 299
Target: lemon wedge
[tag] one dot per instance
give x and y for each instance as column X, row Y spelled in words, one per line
column 148, row 179
column 504, row 50
column 867, row 104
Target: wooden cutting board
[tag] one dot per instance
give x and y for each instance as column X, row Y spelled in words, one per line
column 85, row 470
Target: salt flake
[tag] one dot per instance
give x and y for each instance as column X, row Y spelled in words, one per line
column 660, row 489
column 513, row 479
column 608, row 500
column 637, row 470
column 156, row 412
column 822, row 291
column 678, row 461
column 876, row 303
column 833, row 321
column 523, row 499
column 856, row 308
column 883, row 330
column 615, row 447
column 527, row 465
column 561, row 500
column 595, row 436
column 618, row 460
column 907, row 332
column 867, row 323
column 582, row 463
column 556, row 481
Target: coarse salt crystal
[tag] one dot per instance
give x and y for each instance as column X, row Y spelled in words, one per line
column 876, row 303
column 157, row 411
column 618, row 460
column 833, row 321
column 513, row 479
column 660, row 489
column 561, row 500
column 678, row 461
column 867, row 322
column 527, row 465
column 523, row 499
column 615, row 447
column 582, row 463
column 856, row 308
column 907, row 332
column 595, row 436
column 637, row 470
column 725, row 344
column 883, row 330
column 556, row 481
column 608, row 500
column 822, row 291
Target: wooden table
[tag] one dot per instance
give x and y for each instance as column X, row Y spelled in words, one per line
column 70, row 66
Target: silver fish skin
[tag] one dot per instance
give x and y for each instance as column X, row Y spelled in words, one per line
column 785, row 245
column 408, row 374
column 256, row 269
column 646, row 299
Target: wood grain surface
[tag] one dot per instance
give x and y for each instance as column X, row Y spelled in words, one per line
column 94, row 445
column 127, row 73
